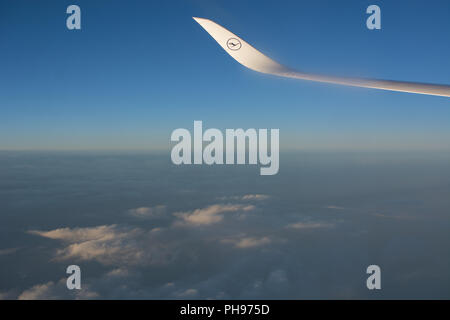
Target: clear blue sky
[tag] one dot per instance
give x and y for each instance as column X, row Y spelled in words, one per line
column 140, row 69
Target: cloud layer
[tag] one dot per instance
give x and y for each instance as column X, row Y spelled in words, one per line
column 209, row 215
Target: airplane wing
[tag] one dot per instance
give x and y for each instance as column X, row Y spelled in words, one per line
column 251, row 58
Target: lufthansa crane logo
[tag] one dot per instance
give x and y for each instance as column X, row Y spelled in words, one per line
column 233, row 44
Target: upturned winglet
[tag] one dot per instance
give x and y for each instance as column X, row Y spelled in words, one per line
column 253, row 59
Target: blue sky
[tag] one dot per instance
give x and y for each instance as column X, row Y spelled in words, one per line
column 140, row 69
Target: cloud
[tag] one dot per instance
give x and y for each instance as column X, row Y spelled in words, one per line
column 8, row 295
column 335, row 207
column 58, row 290
column 189, row 293
column 103, row 233
column 39, row 291
column 148, row 212
column 109, row 245
column 248, row 242
column 398, row 217
column 209, row 215
column 4, row 252
column 247, row 197
column 166, row 261
column 255, row 197
column 309, row 225
column 119, row 272
column 277, row 277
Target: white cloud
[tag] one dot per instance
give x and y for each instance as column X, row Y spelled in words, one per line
column 119, row 272
column 109, row 245
column 248, row 242
column 148, row 212
column 335, row 207
column 309, row 225
column 381, row 215
column 252, row 242
column 209, row 215
column 4, row 252
column 247, row 197
column 39, row 291
column 86, row 294
column 255, row 197
column 8, row 295
column 58, row 290
column 188, row 293
column 105, row 232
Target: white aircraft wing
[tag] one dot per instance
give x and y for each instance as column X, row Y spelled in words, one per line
column 251, row 58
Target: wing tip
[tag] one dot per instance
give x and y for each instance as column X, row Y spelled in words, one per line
column 198, row 20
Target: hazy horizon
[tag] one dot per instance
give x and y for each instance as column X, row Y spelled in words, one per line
column 140, row 227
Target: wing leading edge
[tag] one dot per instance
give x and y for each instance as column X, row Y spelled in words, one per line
column 253, row 59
